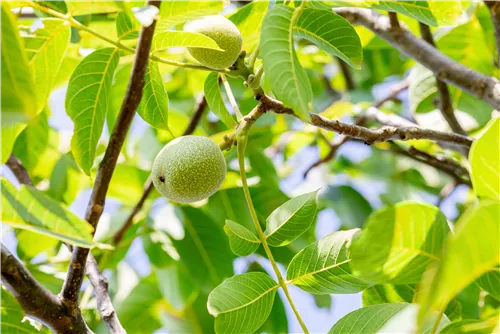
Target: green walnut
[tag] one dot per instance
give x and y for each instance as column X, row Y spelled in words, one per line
column 224, row 33
column 189, row 169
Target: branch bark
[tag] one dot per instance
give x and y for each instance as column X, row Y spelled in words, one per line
column 19, row 171
column 369, row 136
column 446, row 69
column 38, row 302
column 494, row 7
column 74, row 278
column 445, row 104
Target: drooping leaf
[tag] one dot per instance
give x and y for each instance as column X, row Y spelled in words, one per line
column 331, row 33
column 154, row 104
column 215, row 101
column 248, row 19
column 399, row 242
column 470, row 253
column 29, row 209
column 126, row 26
column 384, row 318
column 170, row 38
column 242, row 241
column 291, row 219
column 204, row 250
column 176, row 286
column 490, row 282
column 32, row 141
column 241, row 304
column 288, row 79
column 323, row 267
column 87, row 102
column 31, row 244
column 66, row 180
column 484, row 158
column 173, row 13
column 46, row 48
column 18, row 89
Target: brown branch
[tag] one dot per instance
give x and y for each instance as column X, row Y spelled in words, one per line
column 104, row 304
column 393, row 20
column 446, row 69
column 19, row 171
column 447, row 166
column 38, row 302
column 445, row 105
column 371, row 112
column 346, row 72
column 97, row 280
column 494, row 7
column 74, row 278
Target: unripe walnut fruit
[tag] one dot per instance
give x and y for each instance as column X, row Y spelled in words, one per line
column 189, row 169
column 224, row 33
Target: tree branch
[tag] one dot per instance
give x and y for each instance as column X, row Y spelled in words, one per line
column 38, row 302
column 445, row 105
column 494, row 7
column 19, row 171
column 97, row 280
column 196, row 118
column 369, row 136
column 447, row 166
column 346, row 72
column 74, row 278
column 446, row 69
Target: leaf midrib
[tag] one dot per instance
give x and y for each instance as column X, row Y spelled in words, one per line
column 252, row 301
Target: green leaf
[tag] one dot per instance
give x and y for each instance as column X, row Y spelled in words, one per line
column 9, row 136
column 215, row 101
column 173, row 13
column 484, row 158
column 195, row 319
column 470, row 253
column 118, row 90
column 126, row 26
column 288, row 79
column 12, row 315
column 470, row 326
column 241, row 304
column 490, row 282
column 168, row 39
column 290, row 220
column 249, row 19
column 127, row 183
column 176, row 286
column 18, row 89
column 350, row 206
column 323, row 267
column 204, row 250
column 154, row 104
column 46, row 48
column 331, row 33
column 399, row 242
column 32, row 142
column 242, row 241
column 87, row 102
column 29, row 209
column 159, row 248
column 92, row 7
column 31, row 244
column 59, row 6
column 384, row 318
column 66, row 180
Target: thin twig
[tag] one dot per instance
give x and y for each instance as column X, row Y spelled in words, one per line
column 346, row 72
column 393, row 19
column 446, row 69
column 447, row 166
column 19, row 171
column 230, row 96
column 74, row 278
column 445, row 105
column 196, row 118
column 494, row 7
